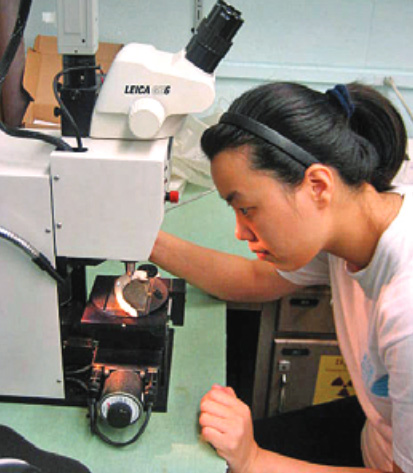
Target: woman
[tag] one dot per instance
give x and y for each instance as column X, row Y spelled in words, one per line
column 309, row 175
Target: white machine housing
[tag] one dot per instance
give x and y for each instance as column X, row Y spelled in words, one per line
column 109, row 202
column 29, row 319
column 77, row 26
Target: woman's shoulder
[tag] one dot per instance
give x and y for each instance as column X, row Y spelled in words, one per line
column 395, row 305
column 397, row 241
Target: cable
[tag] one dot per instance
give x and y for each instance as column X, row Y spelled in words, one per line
column 390, row 82
column 82, row 370
column 37, row 257
column 63, row 107
column 78, row 382
column 5, row 63
column 19, row 133
column 96, row 430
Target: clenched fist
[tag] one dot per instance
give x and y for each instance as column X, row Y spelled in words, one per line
column 226, row 424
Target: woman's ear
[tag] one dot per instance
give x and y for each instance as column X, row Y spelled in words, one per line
column 319, row 182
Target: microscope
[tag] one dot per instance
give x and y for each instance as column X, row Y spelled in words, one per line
column 99, row 195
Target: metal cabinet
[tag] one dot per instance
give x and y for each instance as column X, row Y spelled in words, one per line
column 298, row 361
column 306, row 311
column 295, row 369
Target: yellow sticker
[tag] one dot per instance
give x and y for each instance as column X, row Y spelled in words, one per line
column 333, row 380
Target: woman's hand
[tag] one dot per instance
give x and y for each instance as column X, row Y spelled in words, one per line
column 226, row 423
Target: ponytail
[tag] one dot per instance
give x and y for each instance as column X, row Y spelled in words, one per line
column 377, row 120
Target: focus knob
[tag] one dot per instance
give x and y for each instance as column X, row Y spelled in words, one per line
column 119, row 415
column 146, row 117
column 122, row 398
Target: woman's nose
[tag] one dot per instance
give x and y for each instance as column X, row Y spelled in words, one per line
column 242, row 232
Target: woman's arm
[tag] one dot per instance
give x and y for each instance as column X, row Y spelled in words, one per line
column 225, row 276
column 227, row 424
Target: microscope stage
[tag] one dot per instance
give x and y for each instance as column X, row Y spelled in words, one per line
column 103, row 308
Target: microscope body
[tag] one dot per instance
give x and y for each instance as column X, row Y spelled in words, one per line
column 148, row 93
column 105, row 202
column 78, row 210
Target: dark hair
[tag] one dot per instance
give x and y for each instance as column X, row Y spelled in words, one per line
column 369, row 146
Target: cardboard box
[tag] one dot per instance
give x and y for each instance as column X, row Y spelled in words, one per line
column 43, row 62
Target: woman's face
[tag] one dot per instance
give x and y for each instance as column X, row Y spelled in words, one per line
column 282, row 225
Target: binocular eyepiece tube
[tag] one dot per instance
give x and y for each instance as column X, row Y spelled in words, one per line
column 214, row 36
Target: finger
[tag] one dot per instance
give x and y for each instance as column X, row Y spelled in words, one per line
column 226, row 389
column 225, row 396
column 217, row 386
column 216, row 408
column 220, row 424
column 214, row 437
column 230, row 391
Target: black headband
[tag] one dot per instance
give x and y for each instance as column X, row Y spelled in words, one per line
column 271, row 136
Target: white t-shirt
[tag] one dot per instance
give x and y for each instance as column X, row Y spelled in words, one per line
column 373, row 312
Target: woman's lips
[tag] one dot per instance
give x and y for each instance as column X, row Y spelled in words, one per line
column 261, row 254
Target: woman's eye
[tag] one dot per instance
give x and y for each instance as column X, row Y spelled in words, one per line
column 244, row 211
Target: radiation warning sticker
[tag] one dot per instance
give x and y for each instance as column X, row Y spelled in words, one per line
column 333, row 380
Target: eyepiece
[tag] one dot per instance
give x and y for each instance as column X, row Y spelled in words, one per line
column 213, row 38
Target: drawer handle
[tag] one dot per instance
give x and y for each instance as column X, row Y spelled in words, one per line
column 282, row 394
column 295, row 351
column 304, row 302
column 284, row 367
